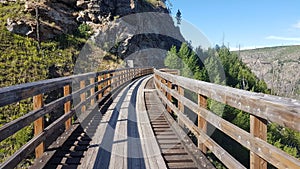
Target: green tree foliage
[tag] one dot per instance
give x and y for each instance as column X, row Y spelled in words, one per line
column 85, row 31
column 178, row 17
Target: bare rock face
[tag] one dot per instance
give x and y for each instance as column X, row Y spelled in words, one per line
column 126, row 28
column 82, row 4
column 19, row 27
column 55, row 19
column 142, row 37
column 69, row 2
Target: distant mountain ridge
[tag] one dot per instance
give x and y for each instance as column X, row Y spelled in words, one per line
column 278, row 66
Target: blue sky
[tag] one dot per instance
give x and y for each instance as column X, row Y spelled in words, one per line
column 247, row 23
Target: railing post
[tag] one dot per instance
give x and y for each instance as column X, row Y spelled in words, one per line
column 258, row 128
column 126, row 75
column 38, row 124
column 92, row 91
column 105, row 83
column 67, row 106
column 169, row 96
column 180, row 105
column 119, row 78
column 123, row 76
column 202, row 124
column 82, row 96
column 99, row 87
column 109, row 82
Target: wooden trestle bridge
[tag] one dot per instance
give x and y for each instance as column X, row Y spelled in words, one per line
column 135, row 118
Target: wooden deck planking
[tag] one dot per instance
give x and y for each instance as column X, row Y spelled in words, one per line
column 91, row 154
column 131, row 133
column 119, row 148
column 133, row 144
column 170, row 136
column 151, row 150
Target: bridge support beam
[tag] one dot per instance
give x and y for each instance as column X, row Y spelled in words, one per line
column 258, row 128
column 38, row 124
column 202, row 124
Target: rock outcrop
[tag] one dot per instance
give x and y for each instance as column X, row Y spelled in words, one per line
column 124, row 27
column 64, row 16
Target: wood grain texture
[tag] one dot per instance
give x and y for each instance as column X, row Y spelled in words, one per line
column 67, row 106
column 258, row 128
column 38, row 124
column 202, row 124
column 246, row 101
column 283, row 111
column 16, row 93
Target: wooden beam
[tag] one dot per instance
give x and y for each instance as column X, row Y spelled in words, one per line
column 283, row 111
column 202, row 124
column 100, row 87
column 169, row 96
column 92, row 91
column 180, row 106
column 38, row 124
column 258, row 128
column 105, row 84
column 83, row 95
column 261, row 148
column 67, row 107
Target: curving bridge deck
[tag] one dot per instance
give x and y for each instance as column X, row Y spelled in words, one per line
column 129, row 118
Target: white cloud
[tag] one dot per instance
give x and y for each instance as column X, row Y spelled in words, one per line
column 297, row 25
column 283, row 38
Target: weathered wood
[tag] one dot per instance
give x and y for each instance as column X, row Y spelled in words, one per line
column 151, row 151
column 261, row 148
column 202, row 124
column 25, row 150
column 16, row 93
column 20, row 92
column 106, row 83
column 219, row 152
column 83, row 95
column 14, row 126
column 99, row 87
column 258, row 128
column 261, row 105
column 12, row 94
column 169, row 96
column 38, row 124
column 180, row 105
column 67, row 106
column 92, row 91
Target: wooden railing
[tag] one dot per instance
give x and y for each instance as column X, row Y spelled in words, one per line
column 261, row 107
column 93, row 87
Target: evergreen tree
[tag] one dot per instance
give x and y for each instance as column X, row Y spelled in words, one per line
column 178, row 17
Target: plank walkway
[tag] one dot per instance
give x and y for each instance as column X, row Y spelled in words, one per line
column 177, row 149
column 130, row 130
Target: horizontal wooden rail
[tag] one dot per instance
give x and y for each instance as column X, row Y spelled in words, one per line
column 96, row 86
column 260, row 106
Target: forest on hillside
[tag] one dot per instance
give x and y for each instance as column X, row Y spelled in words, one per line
column 219, row 65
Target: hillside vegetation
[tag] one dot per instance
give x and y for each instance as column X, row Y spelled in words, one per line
column 279, row 67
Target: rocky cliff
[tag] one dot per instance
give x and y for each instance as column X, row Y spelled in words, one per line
column 123, row 27
column 64, row 16
column 278, row 67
